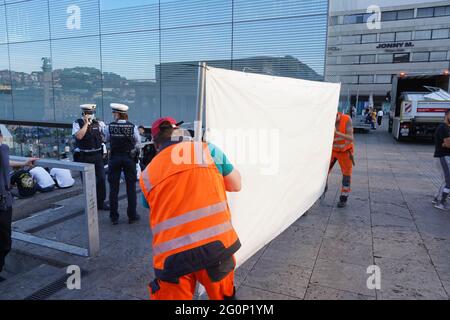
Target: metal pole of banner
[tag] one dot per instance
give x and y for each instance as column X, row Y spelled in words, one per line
column 200, row 101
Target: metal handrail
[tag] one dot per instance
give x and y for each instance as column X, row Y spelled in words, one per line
column 90, row 208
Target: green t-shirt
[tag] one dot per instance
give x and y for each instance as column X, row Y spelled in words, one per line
column 220, row 159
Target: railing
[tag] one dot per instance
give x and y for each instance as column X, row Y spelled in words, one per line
column 90, row 209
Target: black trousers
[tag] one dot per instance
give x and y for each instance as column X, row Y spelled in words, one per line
column 5, row 235
column 96, row 158
column 380, row 121
column 119, row 163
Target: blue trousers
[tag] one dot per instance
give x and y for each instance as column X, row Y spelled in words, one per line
column 119, row 163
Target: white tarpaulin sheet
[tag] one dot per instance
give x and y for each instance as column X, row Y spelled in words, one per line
column 278, row 132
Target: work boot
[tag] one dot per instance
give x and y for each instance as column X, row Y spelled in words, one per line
column 342, row 201
column 103, row 207
column 135, row 219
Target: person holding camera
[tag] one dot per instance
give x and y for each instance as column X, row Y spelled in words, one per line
column 123, row 137
column 89, row 138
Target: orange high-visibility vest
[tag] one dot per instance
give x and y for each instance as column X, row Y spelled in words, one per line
column 190, row 218
column 339, row 143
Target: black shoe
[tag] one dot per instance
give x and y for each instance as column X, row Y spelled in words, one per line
column 115, row 221
column 2, row 279
column 103, row 207
column 342, row 201
column 135, row 219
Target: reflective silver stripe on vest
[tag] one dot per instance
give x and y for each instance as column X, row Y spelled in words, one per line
column 146, row 179
column 190, row 216
column 192, row 238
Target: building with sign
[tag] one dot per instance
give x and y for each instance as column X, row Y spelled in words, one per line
column 412, row 37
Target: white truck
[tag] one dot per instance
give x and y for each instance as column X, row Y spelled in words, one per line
column 418, row 105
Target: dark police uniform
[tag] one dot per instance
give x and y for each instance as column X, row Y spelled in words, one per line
column 90, row 150
column 122, row 137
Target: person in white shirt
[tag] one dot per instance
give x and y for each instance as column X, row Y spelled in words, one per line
column 44, row 180
column 62, row 177
column 380, row 115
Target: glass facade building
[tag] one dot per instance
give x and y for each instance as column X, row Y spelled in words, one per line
column 58, row 54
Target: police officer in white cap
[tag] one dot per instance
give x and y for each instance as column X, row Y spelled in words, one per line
column 89, row 137
column 123, row 137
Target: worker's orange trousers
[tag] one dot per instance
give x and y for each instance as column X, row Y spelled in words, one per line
column 185, row 288
column 345, row 162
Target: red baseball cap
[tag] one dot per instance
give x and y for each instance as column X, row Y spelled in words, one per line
column 156, row 125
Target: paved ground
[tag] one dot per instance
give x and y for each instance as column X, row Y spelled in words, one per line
column 389, row 222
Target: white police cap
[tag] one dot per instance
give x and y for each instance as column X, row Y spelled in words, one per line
column 119, row 108
column 88, row 107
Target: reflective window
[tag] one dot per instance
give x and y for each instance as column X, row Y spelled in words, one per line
column 423, row 35
column 383, row 78
column 440, row 33
column 3, row 32
column 267, row 47
column 425, row 12
column 245, row 10
column 401, row 57
column 403, row 36
column 366, row 79
column 356, row 18
column 129, row 74
column 31, row 73
column 334, row 20
column 332, row 60
column 387, row 37
column 57, row 54
column 369, row 38
column 28, row 21
column 349, row 79
column 351, row 39
column 77, row 76
column 405, row 14
column 367, row 58
column 332, row 41
column 128, row 16
column 195, row 12
column 442, row 11
column 385, row 58
column 73, row 18
column 349, row 59
column 420, row 56
column 6, row 110
column 179, row 59
column 438, row 56
column 389, row 16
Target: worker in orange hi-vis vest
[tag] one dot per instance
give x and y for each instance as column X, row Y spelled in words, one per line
column 343, row 148
column 193, row 239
